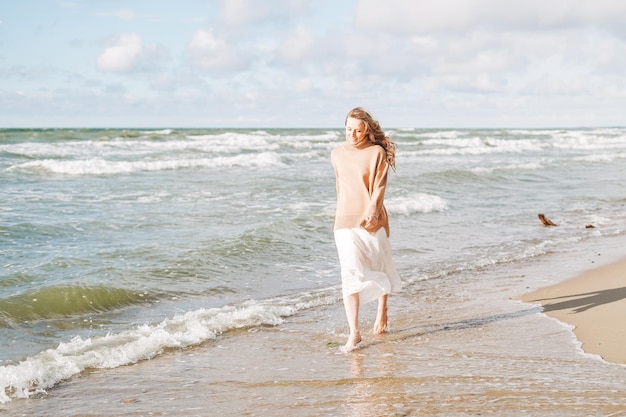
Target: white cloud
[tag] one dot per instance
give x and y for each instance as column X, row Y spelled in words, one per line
column 208, row 51
column 537, row 48
column 122, row 55
column 415, row 62
column 239, row 12
column 297, row 45
column 424, row 16
column 303, row 85
column 246, row 12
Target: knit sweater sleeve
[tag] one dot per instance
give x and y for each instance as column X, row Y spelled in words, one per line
column 378, row 184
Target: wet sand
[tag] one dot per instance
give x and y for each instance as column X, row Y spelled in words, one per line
column 458, row 346
column 595, row 304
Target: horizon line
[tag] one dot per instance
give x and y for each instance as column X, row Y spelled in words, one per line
column 307, row 127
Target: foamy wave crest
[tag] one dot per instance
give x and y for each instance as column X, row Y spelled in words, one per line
column 510, row 167
column 420, row 203
column 232, row 142
column 38, row 373
column 601, row 157
column 123, row 147
column 599, row 139
column 99, row 166
column 440, row 134
column 163, row 132
column 452, row 143
column 478, row 146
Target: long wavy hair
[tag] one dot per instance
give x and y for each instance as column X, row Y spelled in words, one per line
column 375, row 133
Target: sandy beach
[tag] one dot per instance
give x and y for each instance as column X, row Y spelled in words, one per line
column 595, row 304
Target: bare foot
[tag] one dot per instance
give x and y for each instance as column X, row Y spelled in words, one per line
column 380, row 326
column 352, row 343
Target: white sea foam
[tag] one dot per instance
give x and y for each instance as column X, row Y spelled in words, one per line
column 529, row 141
column 231, row 140
column 440, row 134
column 98, row 166
column 163, row 132
column 604, row 157
column 478, row 146
column 418, row 203
column 124, row 147
column 530, row 166
column 42, row 371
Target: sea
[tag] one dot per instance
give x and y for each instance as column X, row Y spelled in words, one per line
column 124, row 246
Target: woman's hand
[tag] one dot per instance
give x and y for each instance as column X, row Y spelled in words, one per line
column 370, row 223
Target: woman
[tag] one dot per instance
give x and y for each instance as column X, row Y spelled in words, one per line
column 361, row 226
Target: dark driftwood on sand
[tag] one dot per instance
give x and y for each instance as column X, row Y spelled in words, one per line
column 545, row 220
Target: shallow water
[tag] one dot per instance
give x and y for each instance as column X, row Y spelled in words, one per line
column 123, row 245
column 455, row 348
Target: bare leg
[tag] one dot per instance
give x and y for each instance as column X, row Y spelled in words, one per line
column 351, row 305
column 381, row 317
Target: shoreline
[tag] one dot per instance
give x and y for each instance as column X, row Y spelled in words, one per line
column 592, row 302
column 456, row 346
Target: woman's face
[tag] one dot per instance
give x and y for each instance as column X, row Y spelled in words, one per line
column 355, row 131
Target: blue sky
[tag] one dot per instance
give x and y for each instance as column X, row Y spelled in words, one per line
column 302, row 63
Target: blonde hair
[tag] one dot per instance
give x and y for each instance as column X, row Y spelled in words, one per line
column 375, row 133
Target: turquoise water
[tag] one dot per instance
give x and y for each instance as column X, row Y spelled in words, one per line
column 118, row 244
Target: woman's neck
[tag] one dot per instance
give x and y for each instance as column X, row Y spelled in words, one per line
column 365, row 143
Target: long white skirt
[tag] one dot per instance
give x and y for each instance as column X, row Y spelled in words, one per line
column 367, row 267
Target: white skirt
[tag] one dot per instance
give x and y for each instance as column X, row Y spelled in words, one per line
column 366, row 264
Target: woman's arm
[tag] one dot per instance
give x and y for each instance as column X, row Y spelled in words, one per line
column 378, row 185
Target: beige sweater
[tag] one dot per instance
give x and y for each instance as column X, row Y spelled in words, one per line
column 361, row 179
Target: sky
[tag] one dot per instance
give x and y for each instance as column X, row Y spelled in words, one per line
column 305, row 64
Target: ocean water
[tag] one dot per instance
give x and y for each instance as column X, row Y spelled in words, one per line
column 120, row 245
